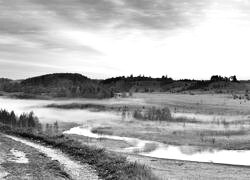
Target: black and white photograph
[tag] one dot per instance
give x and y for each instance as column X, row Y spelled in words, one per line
column 124, row 89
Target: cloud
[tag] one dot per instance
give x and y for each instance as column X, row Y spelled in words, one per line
column 102, row 33
column 36, row 20
column 24, row 23
column 149, row 14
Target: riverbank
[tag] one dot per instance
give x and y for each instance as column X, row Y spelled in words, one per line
column 182, row 134
column 207, row 120
column 168, row 168
column 108, row 165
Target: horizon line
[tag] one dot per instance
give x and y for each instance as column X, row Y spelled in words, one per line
column 126, row 76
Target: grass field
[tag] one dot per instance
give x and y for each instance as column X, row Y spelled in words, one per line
column 207, row 121
column 212, row 120
column 218, row 104
column 221, row 122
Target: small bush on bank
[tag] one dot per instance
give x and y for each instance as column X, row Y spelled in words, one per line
column 153, row 114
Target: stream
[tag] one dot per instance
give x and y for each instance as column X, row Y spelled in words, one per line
column 164, row 151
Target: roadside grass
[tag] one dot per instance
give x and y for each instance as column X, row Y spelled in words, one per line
column 108, row 165
column 56, row 167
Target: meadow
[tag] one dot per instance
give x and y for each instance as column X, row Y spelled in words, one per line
column 212, row 120
column 203, row 122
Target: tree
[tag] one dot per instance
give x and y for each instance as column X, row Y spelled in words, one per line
column 22, row 123
column 13, row 119
column 48, row 129
column 56, row 127
column 233, row 79
column 217, row 78
column 31, row 120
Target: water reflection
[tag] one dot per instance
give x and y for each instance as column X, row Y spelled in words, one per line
column 137, row 145
column 160, row 150
column 216, row 156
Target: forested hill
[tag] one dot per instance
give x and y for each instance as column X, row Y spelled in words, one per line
column 138, row 84
column 216, row 84
column 59, row 85
column 77, row 85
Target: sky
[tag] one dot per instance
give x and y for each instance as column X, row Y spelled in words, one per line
column 105, row 38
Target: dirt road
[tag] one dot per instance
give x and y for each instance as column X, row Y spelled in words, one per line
column 21, row 159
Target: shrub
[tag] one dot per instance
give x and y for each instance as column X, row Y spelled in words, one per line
column 153, row 114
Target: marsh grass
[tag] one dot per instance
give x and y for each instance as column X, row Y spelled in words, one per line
column 78, row 106
column 153, row 114
column 149, row 147
column 161, row 114
column 102, row 130
column 239, row 132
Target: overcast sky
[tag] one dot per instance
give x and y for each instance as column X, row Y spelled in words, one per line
column 104, row 38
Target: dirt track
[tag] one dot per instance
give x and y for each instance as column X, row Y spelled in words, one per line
column 38, row 166
column 21, row 160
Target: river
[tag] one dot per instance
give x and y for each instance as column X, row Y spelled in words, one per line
column 87, row 119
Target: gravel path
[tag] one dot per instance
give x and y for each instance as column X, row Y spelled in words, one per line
column 21, row 162
column 3, row 173
column 76, row 170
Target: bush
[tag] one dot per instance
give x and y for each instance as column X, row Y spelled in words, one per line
column 153, row 114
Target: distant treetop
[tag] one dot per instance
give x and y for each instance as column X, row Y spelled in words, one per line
column 216, row 78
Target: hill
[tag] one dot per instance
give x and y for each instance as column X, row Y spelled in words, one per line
column 59, row 85
column 137, row 84
column 77, row 85
column 3, row 82
column 217, row 84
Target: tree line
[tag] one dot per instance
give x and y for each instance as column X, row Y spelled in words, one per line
column 216, row 78
column 27, row 122
column 139, row 78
